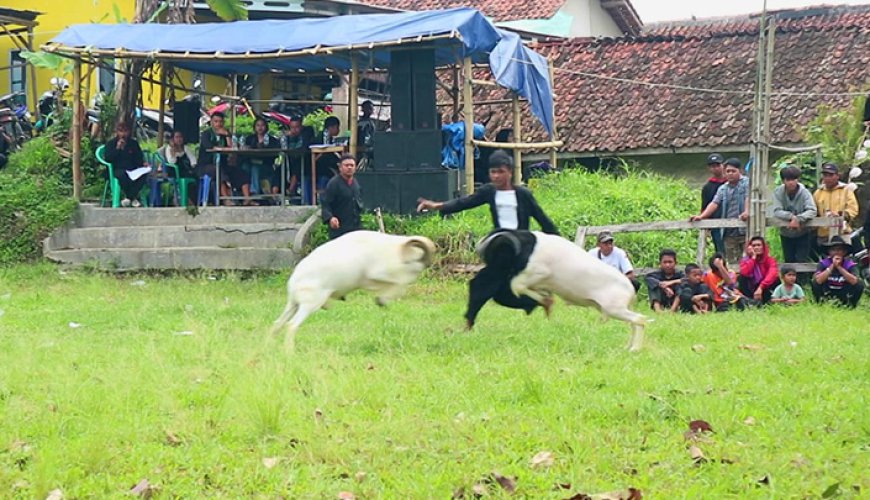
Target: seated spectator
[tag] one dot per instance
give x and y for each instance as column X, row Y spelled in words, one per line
column 664, row 284
column 178, row 153
column 759, row 274
column 297, row 137
column 124, row 153
column 695, row 296
column 723, row 283
column 788, row 292
column 232, row 174
column 260, row 167
column 836, row 276
column 331, row 128
column 614, row 256
column 794, row 203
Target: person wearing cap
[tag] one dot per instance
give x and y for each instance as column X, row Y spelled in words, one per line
column 733, row 200
column 716, row 165
column 793, row 202
column 614, row 257
column 837, row 275
column 511, row 207
column 832, row 199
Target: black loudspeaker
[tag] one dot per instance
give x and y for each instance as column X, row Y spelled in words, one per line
column 425, row 113
column 407, row 150
column 397, row 191
column 185, row 117
column 401, row 98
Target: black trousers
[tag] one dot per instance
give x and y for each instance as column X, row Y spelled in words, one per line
column 130, row 187
column 796, row 249
column 494, row 283
column 747, row 289
column 849, row 295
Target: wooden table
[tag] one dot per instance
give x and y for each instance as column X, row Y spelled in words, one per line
column 318, row 150
column 255, row 153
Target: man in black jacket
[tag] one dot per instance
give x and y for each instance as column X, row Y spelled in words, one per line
column 125, row 155
column 341, row 201
column 716, row 164
column 511, row 208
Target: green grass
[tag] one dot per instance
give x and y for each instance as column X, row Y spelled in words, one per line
column 408, row 398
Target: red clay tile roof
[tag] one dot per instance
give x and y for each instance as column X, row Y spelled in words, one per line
column 498, row 10
column 814, row 53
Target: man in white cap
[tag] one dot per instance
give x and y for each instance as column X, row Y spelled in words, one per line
column 614, row 256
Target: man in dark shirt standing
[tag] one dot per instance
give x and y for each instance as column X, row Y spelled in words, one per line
column 716, row 164
column 341, row 202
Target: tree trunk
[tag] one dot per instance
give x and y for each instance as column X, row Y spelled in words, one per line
column 129, row 83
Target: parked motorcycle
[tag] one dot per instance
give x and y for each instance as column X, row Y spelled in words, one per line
column 15, row 101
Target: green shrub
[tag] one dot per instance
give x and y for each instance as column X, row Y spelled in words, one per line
column 572, row 197
column 34, row 200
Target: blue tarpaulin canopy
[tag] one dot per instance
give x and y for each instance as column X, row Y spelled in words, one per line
column 270, row 46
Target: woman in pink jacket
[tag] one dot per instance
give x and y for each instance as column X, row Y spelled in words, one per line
column 759, row 273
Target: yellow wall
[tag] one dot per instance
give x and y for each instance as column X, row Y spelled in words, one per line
column 60, row 14
column 57, row 15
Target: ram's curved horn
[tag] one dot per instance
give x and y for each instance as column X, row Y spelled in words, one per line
column 421, row 243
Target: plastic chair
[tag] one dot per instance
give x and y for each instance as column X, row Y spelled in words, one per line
column 204, row 191
column 181, row 185
column 111, row 182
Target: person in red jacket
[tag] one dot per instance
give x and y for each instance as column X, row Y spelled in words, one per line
column 759, row 273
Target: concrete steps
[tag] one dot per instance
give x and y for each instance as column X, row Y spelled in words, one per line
column 171, row 238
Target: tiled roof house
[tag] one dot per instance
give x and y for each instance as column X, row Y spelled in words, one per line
column 683, row 88
column 563, row 18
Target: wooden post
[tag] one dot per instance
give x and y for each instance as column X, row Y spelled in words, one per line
column 760, row 168
column 518, row 137
column 468, row 109
column 77, row 131
column 555, row 137
column 35, row 102
column 235, row 92
column 455, row 94
column 162, row 109
column 353, row 105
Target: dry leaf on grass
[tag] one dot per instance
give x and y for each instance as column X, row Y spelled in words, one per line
column 700, row 426
column 172, row 439
column 750, row 347
column 749, row 420
column 543, row 459
column 318, row 414
column 346, row 495
column 270, row 462
column 55, row 494
column 629, row 494
column 360, row 476
column 697, row 455
column 144, row 489
column 699, row 348
column 508, row 483
column 764, row 481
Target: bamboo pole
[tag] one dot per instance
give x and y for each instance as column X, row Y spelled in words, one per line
column 468, row 108
column 519, row 145
column 353, row 108
column 162, row 109
column 555, row 137
column 77, row 132
column 35, row 101
column 455, row 95
column 235, row 91
column 280, row 54
column 518, row 137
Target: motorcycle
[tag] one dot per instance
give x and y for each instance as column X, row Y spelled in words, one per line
column 15, row 102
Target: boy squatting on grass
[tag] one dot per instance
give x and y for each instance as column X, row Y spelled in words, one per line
column 788, row 292
column 695, row 296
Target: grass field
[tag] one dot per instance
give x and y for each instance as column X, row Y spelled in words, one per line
column 107, row 381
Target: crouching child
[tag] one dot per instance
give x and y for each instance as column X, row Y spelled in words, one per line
column 788, row 292
column 695, row 296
